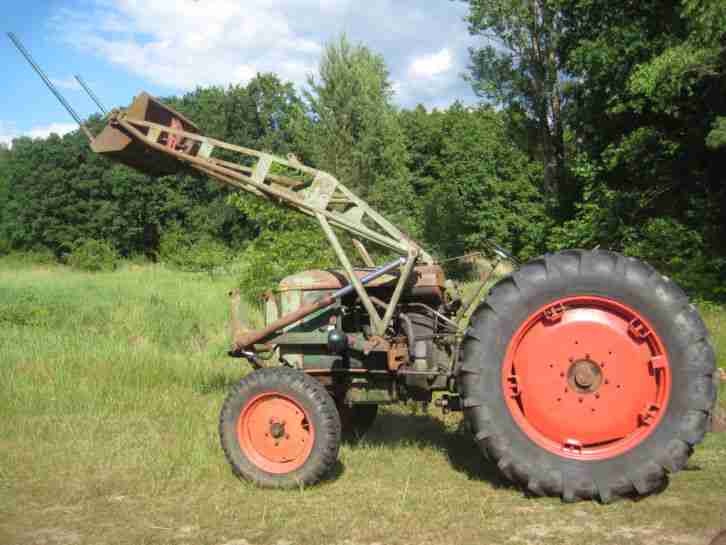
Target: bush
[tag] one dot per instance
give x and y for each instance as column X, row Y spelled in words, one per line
column 680, row 252
column 37, row 256
column 277, row 254
column 174, row 247
column 287, row 243
column 181, row 251
column 93, row 255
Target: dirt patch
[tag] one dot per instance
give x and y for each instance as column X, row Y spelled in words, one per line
column 187, row 531
column 138, row 341
column 53, row 536
column 719, row 420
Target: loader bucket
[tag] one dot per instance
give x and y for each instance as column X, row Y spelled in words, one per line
column 116, row 144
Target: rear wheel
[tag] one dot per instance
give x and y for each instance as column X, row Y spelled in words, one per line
column 280, row 428
column 590, row 376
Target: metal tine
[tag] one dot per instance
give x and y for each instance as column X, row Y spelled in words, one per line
column 91, row 94
column 50, row 85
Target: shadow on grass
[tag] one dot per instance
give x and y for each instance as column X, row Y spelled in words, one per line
column 426, row 431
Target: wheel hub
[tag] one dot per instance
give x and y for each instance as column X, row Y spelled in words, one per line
column 275, row 433
column 586, row 377
column 277, row 429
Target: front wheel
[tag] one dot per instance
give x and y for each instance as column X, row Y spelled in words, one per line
column 589, row 376
column 279, row 428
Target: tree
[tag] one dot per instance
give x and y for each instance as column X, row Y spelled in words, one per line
column 424, row 133
column 4, row 199
column 521, row 67
column 647, row 109
column 257, row 115
column 485, row 188
column 351, row 130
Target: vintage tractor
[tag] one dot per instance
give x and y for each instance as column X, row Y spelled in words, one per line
column 582, row 374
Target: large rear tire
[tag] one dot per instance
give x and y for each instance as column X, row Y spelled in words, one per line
column 589, row 376
column 279, row 428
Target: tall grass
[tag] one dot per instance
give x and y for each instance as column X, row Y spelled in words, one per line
column 108, row 350
column 110, row 388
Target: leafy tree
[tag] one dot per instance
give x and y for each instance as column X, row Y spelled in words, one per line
column 5, row 220
column 257, row 116
column 521, row 67
column 288, row 242
column 485, row 187
column 62, row 193
column 424, row 132
column 352, row 131
column 647, row 109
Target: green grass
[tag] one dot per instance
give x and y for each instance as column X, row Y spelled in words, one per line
column 715, row 318
column 110, row 387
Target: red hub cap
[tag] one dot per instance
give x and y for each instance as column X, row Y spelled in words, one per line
column 275, row 433
column 586, row 377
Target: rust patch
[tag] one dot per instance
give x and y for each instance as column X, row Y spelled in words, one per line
column 376, row 344
column 397, row 356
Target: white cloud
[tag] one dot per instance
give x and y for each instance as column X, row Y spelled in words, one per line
column 8, row 131
column 183, row 44
column 69, row 82
column 54, row 128
column 427, row 66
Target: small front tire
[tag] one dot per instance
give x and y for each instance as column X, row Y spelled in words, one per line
column 279, row 428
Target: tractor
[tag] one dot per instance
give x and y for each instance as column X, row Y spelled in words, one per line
column 582, row 374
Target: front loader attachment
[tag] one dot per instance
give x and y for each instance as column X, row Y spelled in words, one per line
column 118, row 144
column 153, row 138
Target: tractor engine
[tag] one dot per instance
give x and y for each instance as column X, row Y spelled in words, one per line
column 337, row 346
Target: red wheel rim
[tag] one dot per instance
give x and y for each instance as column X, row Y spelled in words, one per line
column 586, row 377
column 275, row 433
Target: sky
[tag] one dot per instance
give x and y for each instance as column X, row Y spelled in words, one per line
column 168, row 47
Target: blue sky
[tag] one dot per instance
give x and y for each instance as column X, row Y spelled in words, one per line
column 170, row 46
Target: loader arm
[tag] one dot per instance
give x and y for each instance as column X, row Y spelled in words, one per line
column 308, row 190
column 151, row 137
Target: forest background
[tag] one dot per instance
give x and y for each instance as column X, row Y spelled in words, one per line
column 601, row 124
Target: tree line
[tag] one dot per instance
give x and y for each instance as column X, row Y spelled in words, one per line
column 601, row 124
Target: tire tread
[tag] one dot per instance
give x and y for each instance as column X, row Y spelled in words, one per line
column 544, row 479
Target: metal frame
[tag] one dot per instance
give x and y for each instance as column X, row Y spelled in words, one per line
column 325, row 198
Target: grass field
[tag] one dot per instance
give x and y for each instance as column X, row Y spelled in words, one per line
column 110, row 387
